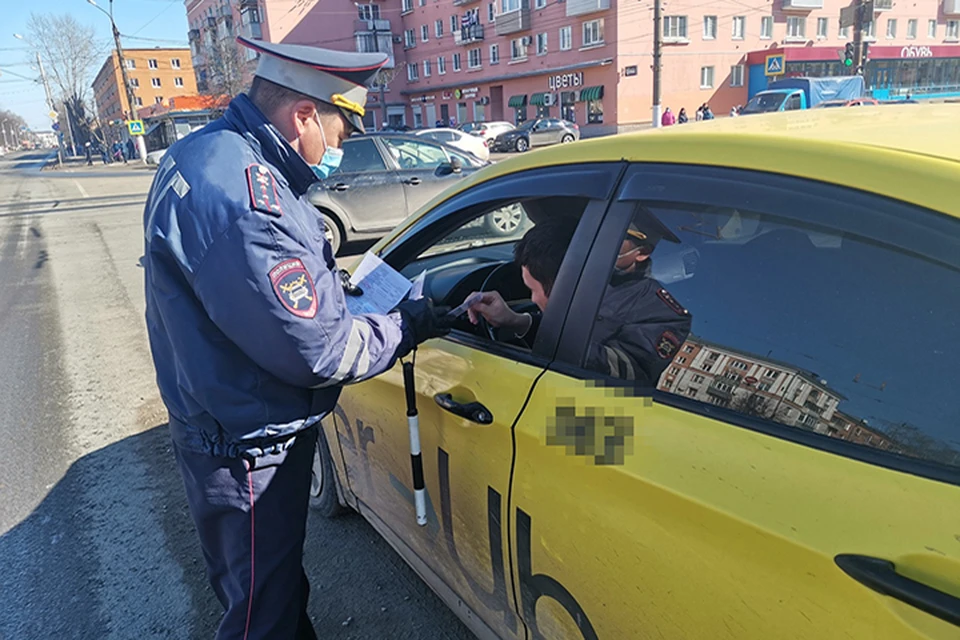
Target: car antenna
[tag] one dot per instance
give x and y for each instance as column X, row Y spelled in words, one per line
column 413, row 422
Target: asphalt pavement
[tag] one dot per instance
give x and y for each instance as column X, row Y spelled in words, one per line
column 95, row 538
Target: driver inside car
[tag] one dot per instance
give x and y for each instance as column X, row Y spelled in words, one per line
column 640, row 326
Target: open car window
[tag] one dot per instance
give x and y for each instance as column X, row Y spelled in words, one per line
column 414, row 154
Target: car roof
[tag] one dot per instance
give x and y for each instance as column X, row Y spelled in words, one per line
column 909, row 153
column 420, row 132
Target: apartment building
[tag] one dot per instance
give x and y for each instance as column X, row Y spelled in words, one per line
column 156, row 75
column 213, row 28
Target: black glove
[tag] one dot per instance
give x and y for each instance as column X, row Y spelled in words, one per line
column 422, row 321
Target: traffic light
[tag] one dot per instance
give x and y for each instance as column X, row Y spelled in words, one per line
column 848, row 54
column 865, row 48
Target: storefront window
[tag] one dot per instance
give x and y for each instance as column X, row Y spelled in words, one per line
column 478, row 114
column 520, row 115
column 567, row 109
column 543, row 111
column 595, row 112
column 915, row 76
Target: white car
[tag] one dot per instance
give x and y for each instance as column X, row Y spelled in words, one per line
column 154, row 157
column 488, row 130
column 459, row 139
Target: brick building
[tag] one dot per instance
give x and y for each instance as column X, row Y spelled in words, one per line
column 156, row 75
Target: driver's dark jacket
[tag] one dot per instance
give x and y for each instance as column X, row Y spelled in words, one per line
column 250, row 335
column 638, row 330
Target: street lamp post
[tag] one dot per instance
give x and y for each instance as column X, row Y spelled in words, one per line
column 128, row 88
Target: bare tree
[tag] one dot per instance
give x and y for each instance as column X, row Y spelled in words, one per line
column 12, row 126
column 225, row 67
column 70, row 51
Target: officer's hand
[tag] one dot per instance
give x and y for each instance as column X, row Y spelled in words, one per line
column 423, row 320
column 496, row 311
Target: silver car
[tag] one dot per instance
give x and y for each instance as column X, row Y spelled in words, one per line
column 535, row 133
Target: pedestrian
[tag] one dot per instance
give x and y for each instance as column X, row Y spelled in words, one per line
column 699, row 114
column 667, row 119
column 682, row 116
column 438, row 124
column 104, row 152
column 707, row 114
column 733, row 112
column 118, row 151
column 131, row 149
column 249, row 331
column 88, row 150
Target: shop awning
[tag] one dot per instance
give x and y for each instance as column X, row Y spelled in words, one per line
column 591, row 93
column 538, row 99
column 517, row 102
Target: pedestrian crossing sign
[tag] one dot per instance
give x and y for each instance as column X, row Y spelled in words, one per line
column 135, row 127
column 774, row 65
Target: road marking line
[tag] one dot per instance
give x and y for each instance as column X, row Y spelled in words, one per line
column 83, row 191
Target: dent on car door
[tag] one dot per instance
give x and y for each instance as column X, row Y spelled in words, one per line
column 366, row 188
column 798, row 454
column 463, row 548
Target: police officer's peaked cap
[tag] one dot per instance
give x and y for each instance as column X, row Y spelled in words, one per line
column 336, row 77
column 646, row 228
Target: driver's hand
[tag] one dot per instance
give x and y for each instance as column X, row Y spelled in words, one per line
column 495, row 311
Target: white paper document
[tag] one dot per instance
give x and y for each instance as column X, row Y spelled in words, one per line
column 383, row 287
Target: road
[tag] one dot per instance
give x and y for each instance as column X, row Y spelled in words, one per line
column 95, row 538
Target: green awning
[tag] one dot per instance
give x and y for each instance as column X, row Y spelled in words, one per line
column 517, row 102
column 591, row 93
column 538, row 99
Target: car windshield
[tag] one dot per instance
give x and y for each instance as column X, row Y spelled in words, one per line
column 765, row 103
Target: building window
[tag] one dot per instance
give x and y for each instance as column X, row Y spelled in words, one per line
column 822, row 26
column 870, row 30
column 409, row 39
column 540, row 4
column 438, row 28
column 675, row 27
column 368, row 11
column 424, row 33
column 421, row 3
column 441, row 65
column 175, row 63
column 454, row 24
column 406, row 6
column 931, row 28
column 492, row 12
column 595, row 112
column 494, row 54
column 178, row 82
column 844, row 33
column 739, row 27
column 709, row 27
column 736, row 75
column 593, row 33
column 541, row 44
column 566, row 38
column 474, row 58
column 796, row 28
column 155, row 83
column 158, row 100
column 457, row 66
column 132, row 64
column 706, row 77
column 518, row 50
column 138, row 100
column 953, row 30
column 766, row 27
column 912, row 29
column 891, row 28
column 152, row 63
column 681, row 360
column 426, row 69
column 134, row 82
column 413, row 72
column 509, row 5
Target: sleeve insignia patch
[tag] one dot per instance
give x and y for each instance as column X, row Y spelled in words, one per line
column 294, row 288
column 263, row 190
column 671, row 302
column 667, row 345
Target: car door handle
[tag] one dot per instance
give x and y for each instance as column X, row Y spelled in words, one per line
column 339, row 187
column 412, row 181
column 881, row 576
column 472, row 411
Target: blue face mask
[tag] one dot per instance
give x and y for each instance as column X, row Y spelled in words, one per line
column 331, row 158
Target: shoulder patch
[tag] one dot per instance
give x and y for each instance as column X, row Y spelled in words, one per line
column 667, row 345
column 671, row 302
column 294, row 288
column 263, row 190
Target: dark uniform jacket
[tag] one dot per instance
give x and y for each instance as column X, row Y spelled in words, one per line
column 246, row 317
column 639, row 329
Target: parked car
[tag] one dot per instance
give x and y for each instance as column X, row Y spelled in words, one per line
column 154, row 157
column 476, row 146
column 536, row 133
column 384, row 177
column 856, row 102
column 487, row 130
column 786, row 476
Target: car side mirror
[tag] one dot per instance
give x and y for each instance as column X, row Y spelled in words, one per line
column 447, row 168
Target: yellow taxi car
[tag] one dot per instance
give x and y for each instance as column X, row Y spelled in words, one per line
column 794, row 471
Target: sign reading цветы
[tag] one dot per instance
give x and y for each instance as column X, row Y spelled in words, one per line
column 565, row 80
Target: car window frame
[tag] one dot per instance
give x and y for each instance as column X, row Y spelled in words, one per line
column 596, row 181
column 387, row 164
column 790, row 197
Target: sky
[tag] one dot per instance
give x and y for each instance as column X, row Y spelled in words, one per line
column 142, row 23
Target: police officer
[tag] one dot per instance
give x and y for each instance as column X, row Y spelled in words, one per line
column 250, row 335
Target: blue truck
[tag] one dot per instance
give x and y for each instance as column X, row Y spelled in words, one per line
column 790, row 94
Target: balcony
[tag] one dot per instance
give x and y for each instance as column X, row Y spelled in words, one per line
column 244, row 4
column 252, row 31
column 460, row 3
column 193, row 35
column 468, row 35
column 583, row 7
column 720, row 391
column 951, row 7
column 364, row 26
column 882, row 5
column 802, row 5
column 513, row 21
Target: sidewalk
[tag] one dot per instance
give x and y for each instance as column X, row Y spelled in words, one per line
column 80, row 162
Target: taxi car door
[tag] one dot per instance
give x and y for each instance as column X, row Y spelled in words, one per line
column 462, row 550
column 794, row 474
